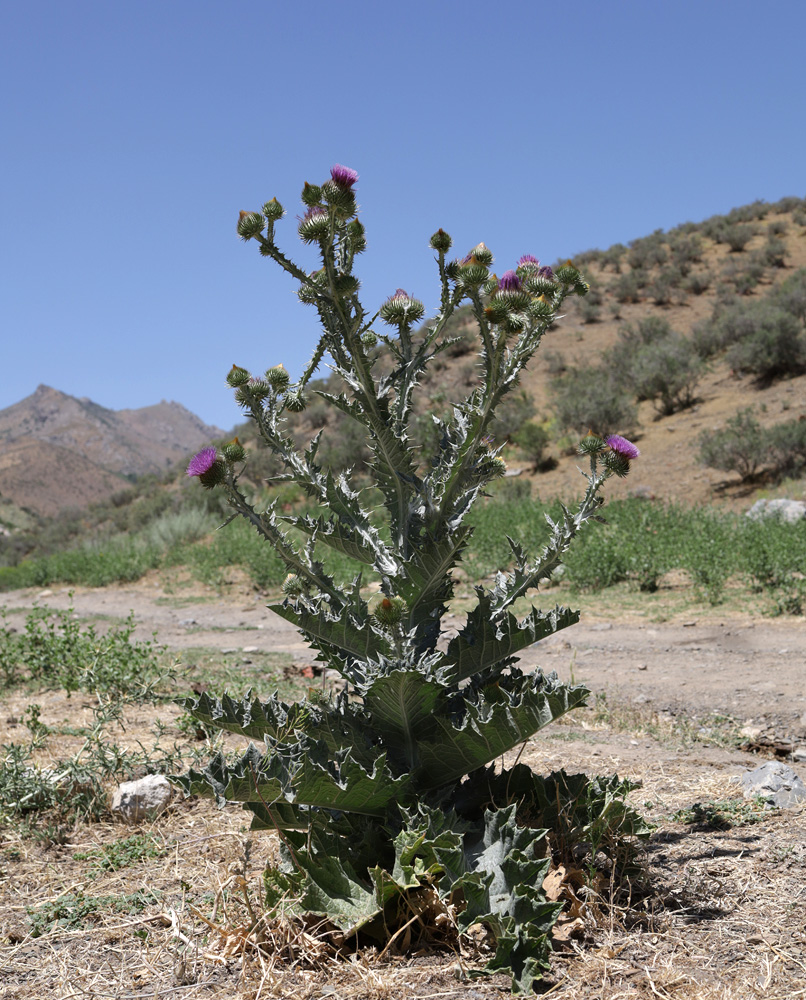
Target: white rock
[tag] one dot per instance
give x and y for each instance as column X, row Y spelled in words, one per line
column 776, row 783
column 135, row 801
column 790, row 511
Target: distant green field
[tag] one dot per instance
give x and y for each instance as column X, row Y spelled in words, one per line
column 640, row 543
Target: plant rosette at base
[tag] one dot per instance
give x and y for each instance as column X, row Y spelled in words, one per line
column 385, row 794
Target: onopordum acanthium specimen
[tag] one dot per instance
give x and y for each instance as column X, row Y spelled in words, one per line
column 386, row 795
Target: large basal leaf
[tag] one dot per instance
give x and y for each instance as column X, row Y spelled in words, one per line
column 485, row 640
column 304, row 775
column 402, row 707
column 249, row 717
column 499, row 721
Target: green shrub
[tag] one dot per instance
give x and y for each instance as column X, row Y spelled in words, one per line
column 590, row 398
column 774, row 348
column 741, row 446
column 698, row 282
column 628, row 287
column 533, row 439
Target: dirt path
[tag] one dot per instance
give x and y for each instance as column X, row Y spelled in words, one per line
column 752, row 671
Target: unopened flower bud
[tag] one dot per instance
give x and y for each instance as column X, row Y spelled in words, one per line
column 295, row 401
column 400, row 308
column 480, row 254
column 339, row 197
column 292, row 586
column 273, row 210
column 234, row 451
column 369, row 339
column 389, row 612
column 356, row 233
column 346, row 284
column 567, row 274
column 278, row 378
column 440, row 241
column 311, row 194
column 472, row 275
column 314, row 226
column 237, row 376
column 250, row 224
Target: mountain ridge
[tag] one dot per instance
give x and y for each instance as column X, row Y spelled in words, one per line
column 59, row 451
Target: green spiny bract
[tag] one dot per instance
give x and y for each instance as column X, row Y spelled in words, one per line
column 385, row 789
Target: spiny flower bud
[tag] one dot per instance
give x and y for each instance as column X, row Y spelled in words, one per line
column 355, row 231
column 568, row 274
column 259, row 389
column 591, row 444
column 389, row 612
column 237, row 376
column 497, row 310
column 295, row 401
column 540, row 308
column 311, row 194
column 440, row 241
column 480, row 254
column 539, row 284
column 292, row 586
column 234, row 451
column 369, row 339
column 510, row 291
column 273, row 210
column 452, row 269
column 400, row 308
column 339, row 197
column 314, row 226
column 250, row 224
column 278, row 378
column 346, row 284
column 472, row 275
column 496, row 467
column 208, row 467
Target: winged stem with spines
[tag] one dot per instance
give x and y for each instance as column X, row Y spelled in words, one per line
column 421, row 714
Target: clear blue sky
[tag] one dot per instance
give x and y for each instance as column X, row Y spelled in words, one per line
column 134, row 132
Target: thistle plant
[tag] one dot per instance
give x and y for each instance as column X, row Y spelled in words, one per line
column 386, row 794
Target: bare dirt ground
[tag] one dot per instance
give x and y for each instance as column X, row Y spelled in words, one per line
column 716, row 915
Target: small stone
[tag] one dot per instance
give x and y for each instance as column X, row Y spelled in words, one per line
column 188, row 621
column 44, row 593
column 789, row 511
column 689, row 624
column 799, row 754
column 250, row 649
column 144, row 799
column 643, row 666
column 776, row 783
column 229, row 649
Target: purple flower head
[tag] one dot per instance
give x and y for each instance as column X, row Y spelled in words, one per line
column 400, row 293
column 546, row 272
column 343, row 176
column 509, row 282
column 202, row 462
column 622, row 446
column 529, row 261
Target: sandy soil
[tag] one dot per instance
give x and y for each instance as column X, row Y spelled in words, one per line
column 718, row 917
